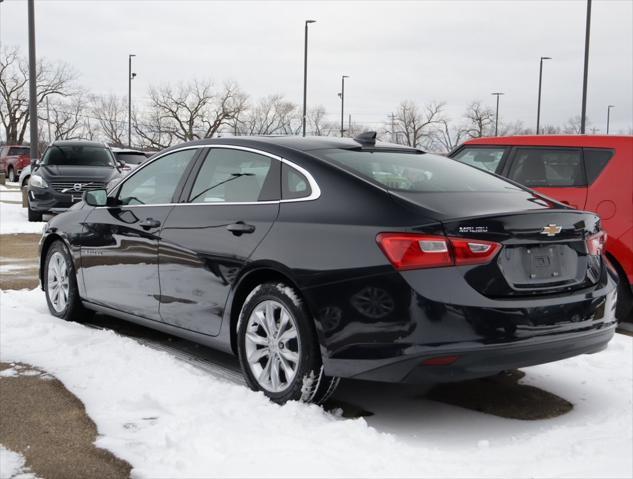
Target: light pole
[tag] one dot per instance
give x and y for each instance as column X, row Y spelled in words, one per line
column 32, row 85
column 342, row 96
column 583, row 113
column 540, row 82
column 130, row 77
column 1, row 25
column 305, row 76
column 609, row 116
column 497, row 94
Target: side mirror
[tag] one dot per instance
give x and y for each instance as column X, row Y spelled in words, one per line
column 96, row 197
column 34, row 164
column 121, row 163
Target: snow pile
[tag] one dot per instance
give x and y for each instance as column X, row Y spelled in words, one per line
column 12, row 465
column 14, row 219
column 171, row 419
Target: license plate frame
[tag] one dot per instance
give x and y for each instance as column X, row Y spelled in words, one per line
column 543, row 262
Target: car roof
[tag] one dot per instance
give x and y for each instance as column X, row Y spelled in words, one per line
column 605, row 141
column 79, row 143
column 298, row 143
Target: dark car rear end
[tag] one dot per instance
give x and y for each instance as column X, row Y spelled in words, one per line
column 496, row 278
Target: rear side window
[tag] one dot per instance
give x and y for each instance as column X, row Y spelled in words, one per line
column 544, row 167
column 234, row 176
column 595, row 161
column 131, row 158
column 18, row 151
column 484, row 158
column 294, row 185
column 415, row 172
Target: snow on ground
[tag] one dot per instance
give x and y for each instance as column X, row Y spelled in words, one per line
column 13, row 218
column 171, row 419
column 12, row 465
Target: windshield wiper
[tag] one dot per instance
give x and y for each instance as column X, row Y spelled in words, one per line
column 234, row 176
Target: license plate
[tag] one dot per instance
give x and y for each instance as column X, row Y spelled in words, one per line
column 543, row 263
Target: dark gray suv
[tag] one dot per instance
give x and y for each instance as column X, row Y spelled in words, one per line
column 67, row 169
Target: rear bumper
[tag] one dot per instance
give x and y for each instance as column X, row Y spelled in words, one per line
column 481, row 360
column 486, row 338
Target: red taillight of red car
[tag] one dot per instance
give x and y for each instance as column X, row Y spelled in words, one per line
column 596, row 243
column 415, row 251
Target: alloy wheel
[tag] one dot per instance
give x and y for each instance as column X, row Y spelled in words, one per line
column 272, row 346
column 57, row 284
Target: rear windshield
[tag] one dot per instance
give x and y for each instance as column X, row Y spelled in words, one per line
column 131, row 158
column 19, row 150
column 415, row 172
column 78, row 155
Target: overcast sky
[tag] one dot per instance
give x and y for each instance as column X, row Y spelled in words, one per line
column 452, row 51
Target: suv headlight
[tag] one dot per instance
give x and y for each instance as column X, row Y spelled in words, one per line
column 38, row 181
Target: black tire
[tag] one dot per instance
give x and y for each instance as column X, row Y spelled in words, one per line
column 34, row 215
column 624, row 307
column 73, row 310
column 12, row 177
column 25, row 181
column 309, row 383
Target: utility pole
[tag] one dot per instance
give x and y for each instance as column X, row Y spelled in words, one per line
column 497, row 94
column 48, row 120
column 538, row 107
column 393, row 128
column 349, row 122
column 32, row 84
column 342, row 95
column 305, row 77
column 609, row 116
column 130, row 77
column 583, row 114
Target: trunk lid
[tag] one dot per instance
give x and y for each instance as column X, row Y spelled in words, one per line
column 542, row 251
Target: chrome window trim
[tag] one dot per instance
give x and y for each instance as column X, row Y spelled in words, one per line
column 314, row 186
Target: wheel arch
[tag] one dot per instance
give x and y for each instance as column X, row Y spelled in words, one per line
column 260, row 274
column 46, row 244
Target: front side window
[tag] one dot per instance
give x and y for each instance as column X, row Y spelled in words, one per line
column 485, row 158
column 234, row 176
column 534, row 167
column 414, row 172
column 156, row 183
column 78, row 155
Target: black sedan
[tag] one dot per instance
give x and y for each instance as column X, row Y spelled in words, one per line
column 314, row 259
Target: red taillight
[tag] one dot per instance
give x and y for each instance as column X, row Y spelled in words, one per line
column 413, row 251
column 440, row 361
column 596, row 243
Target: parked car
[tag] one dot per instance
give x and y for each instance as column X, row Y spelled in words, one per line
column 593, row 173
column 320, row 258
column 66, row 170
column 129, row 159
column 13, row 158
column 25, row 176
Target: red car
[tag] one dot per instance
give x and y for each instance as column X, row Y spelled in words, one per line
column 13, row 158
column 593, row 173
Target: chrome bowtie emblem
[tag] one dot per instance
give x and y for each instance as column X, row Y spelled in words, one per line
column 77, row 187
column 551, row 230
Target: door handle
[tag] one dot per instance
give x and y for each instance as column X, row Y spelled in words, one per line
column 240, row 228
column 149, row 223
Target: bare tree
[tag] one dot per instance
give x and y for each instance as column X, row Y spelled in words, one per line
column 572, row 127
column 193, row 110
column 51, row 79
column 271, row 115
column 152, row 131
column 414, row 125
column 110, row 112
column 446, row 136
column 479, row 120
column 65, row 118
column 318, row 124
